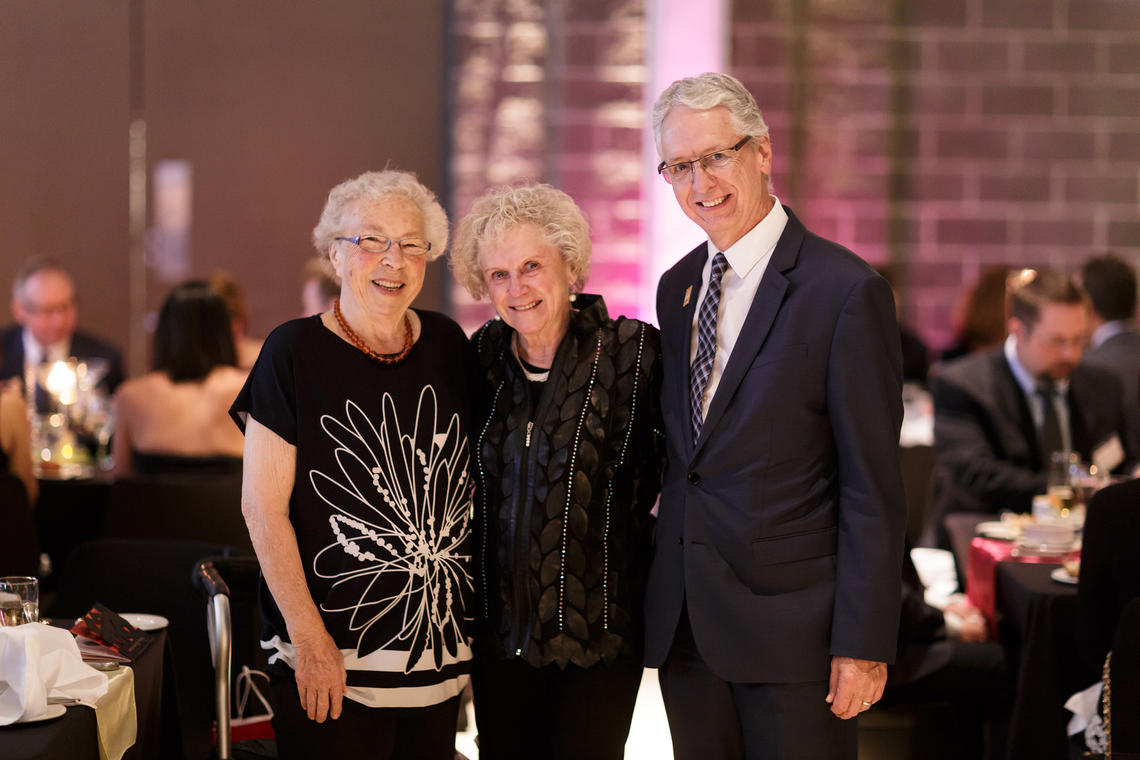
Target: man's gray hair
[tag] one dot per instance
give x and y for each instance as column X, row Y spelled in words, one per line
column 34, row 266
column 711, row 90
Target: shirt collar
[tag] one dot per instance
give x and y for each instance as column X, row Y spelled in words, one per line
column 1108, row 330
column 34, row 353
column 1026, row 381
column 756, row 244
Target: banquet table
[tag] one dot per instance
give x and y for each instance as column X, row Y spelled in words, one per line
column 1039, row 630
column 74, row 736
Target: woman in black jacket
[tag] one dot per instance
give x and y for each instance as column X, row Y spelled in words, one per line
column 568, row 468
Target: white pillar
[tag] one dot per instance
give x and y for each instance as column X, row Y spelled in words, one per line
column 686, row 38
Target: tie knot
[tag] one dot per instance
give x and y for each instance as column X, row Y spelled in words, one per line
column 1046, row 387
column 719, row 264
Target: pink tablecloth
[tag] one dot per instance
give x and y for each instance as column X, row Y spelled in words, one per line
column 985, row 554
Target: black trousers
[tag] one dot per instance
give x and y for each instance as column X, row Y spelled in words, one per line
column 533, row 713
column 376, row 733
column 713, row 718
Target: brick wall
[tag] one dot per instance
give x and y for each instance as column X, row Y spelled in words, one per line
column 551, row 91
column 946, row 136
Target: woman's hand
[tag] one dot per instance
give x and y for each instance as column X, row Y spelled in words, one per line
column 269, row 469
column 320, row 675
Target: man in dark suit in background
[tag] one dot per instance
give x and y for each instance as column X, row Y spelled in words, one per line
column 1115, row 343
column 1000, row 414
column 773, row 599
column 43, row 304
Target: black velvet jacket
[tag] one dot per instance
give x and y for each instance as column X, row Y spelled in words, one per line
column 561, row 569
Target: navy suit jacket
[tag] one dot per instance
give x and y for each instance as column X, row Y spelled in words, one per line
column 782, row 528
column 83, row 346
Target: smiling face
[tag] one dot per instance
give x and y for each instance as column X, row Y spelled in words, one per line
column 381, row 285
column 725, row 203
column 529, row 283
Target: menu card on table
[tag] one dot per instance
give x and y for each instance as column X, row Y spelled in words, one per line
column 103, row 635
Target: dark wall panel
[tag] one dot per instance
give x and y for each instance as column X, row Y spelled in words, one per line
column 63, row 148
column 273, row 104
column 270, row 103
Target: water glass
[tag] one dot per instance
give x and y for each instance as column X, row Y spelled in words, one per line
column 19, row 600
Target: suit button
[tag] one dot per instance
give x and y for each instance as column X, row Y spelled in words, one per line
column 694, row 478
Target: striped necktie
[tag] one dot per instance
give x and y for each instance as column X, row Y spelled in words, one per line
column 701, row 369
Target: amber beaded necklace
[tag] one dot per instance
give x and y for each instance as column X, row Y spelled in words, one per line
column 375, row 356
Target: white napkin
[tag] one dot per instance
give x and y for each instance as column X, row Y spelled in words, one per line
column 41, row 661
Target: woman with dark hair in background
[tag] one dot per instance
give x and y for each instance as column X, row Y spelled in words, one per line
column 174, row 420
column 979, row 320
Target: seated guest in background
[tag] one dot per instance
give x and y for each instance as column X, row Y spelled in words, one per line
column 15, row 446
column 233, row 294
column 1110, row 567
column 915, row 354
column 1115, row 343
column 1000, row 414
column 44, row 306
column 943, row 656
column 980, row 319
column 174, row 420
column 319, row 289
column 563, row 525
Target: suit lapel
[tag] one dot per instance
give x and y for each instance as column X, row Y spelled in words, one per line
column 765, row 305
column 1011, row 397
column 676, row 318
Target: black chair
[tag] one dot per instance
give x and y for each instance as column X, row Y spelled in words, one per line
column 229, row 585
column 135, row 575
column 21, row 555
column 186, row 509
column 917, row 464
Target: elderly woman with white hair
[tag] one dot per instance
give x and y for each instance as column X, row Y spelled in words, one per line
column 357, row 492
column 568, row 469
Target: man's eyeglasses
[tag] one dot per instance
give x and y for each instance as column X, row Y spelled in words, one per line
column 718, row 160
column 412, row 246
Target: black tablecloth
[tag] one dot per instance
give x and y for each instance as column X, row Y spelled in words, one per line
column 74, row 736
column 1039, row 619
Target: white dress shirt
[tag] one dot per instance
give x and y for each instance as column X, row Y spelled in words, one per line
column 747, row 261
column 1028, row 385
column 36, row 354
column 1109, row 330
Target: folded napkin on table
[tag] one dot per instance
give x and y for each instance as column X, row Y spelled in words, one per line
column 40, row 661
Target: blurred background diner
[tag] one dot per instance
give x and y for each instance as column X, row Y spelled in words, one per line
column 175, row 419
column 953, row 143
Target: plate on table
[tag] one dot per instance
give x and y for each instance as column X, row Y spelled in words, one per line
column 1023, row 548
column 1061, row 575
column 53, row 712
column 996, row 529
column 145, row 621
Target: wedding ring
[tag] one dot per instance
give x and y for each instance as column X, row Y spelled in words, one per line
column 866, row 704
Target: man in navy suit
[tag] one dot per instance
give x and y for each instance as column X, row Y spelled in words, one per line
column 999, row 415
column 43, row 303
column 1114, row 343
column 773, row 600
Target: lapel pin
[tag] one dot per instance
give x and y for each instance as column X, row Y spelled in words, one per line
column 688, row 295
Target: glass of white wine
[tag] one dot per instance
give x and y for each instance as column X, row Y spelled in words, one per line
column 19, row 600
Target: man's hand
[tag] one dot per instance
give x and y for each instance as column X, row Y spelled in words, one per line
column 320, row 674
column 855, row 685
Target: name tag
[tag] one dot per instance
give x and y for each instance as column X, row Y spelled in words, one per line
column 1108, row 455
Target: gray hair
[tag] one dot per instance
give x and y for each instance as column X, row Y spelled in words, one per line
column 375, row 186
column 500, row 210
column 34, row 266
column 710, row 90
